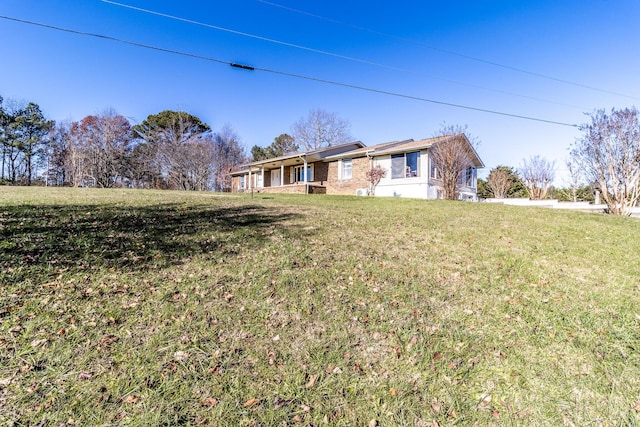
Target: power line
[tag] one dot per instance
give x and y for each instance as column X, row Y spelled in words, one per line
column 448, row 52
column 327, row 53
column 253, row 36
column 284, row 73
column 415, row 98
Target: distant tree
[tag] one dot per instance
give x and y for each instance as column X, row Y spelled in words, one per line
column 55, row 169
column 102, row 143
column 321, row 129
column 173, row 146
column 452, row 156
column 228, row 153
column 499, row 181
column 483, row 190
column 574, row 180
column 374, row 175
column 609, row 154
column 143, row 170
column 4, row 123
column 504, row 182
column 282, row 145
column 582, row 193
column 34, row 128
column 258, row 153
column 537, row 175
column 11, row 153
column 73, row 156
column 170, row 126
column 24, row 132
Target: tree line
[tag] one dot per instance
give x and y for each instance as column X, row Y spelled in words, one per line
column 534, row 180
column 168, row 150
column 604, row 163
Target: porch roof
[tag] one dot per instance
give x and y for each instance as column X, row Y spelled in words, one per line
column 295, row 159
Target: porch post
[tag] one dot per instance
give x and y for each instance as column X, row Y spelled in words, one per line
column 250, row 186
column 281, row 173
column 262, row 177
column 304, row 173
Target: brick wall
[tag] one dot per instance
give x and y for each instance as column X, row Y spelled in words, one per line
column 359, row 168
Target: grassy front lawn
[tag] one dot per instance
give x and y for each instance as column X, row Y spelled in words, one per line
column 163, row 308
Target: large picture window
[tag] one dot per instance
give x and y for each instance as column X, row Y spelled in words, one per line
column 405, row 165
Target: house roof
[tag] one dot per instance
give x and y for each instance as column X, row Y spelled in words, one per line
column 297, row 158
column 396, row 147
column 361, row 152
column 357, row 149
column 428, row 143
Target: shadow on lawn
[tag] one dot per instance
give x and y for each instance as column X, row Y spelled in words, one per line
column 69, row 237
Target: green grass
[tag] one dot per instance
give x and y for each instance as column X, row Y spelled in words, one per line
column 163, row 308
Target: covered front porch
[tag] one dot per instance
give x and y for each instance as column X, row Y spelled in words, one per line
column 297, row 188
column 288, row 175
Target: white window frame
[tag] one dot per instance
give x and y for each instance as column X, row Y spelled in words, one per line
column 434, row 172
column 296, row 173
column 343, row 169
column 407, row 171
column 466, row 177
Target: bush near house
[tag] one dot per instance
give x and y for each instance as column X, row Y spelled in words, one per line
column 164, row 308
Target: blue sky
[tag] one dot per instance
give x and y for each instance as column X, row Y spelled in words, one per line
column 439, row 51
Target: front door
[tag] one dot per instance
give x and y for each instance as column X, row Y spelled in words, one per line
column 275, row 178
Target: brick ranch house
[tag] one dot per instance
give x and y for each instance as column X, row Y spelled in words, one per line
column 342, row 169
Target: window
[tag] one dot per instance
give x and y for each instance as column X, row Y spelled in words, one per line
column 298, row 174
column 345, row 171
column 435, row 173
column 241, row 182
column 405, row 165
column 466, row 177
column 469, row 177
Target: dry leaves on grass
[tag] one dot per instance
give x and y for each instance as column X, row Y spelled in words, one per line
column 251, row 402
column 210, row 402
column 312, row 380
column 131, row 399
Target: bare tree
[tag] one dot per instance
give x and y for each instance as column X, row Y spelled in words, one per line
column 537, row 174
column 228, row 154
column 451, row 156
column 575, row 177
column 55, row 171
column 609, row 154
column 96, row 150
column 374, row 175
column 74, row 154
column 173, row 148
column 321, row 129
column 499, row 180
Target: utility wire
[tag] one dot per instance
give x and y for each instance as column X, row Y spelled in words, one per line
column 253, row 36
column 284, row 73
column 324, row 52
column 448, row 52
